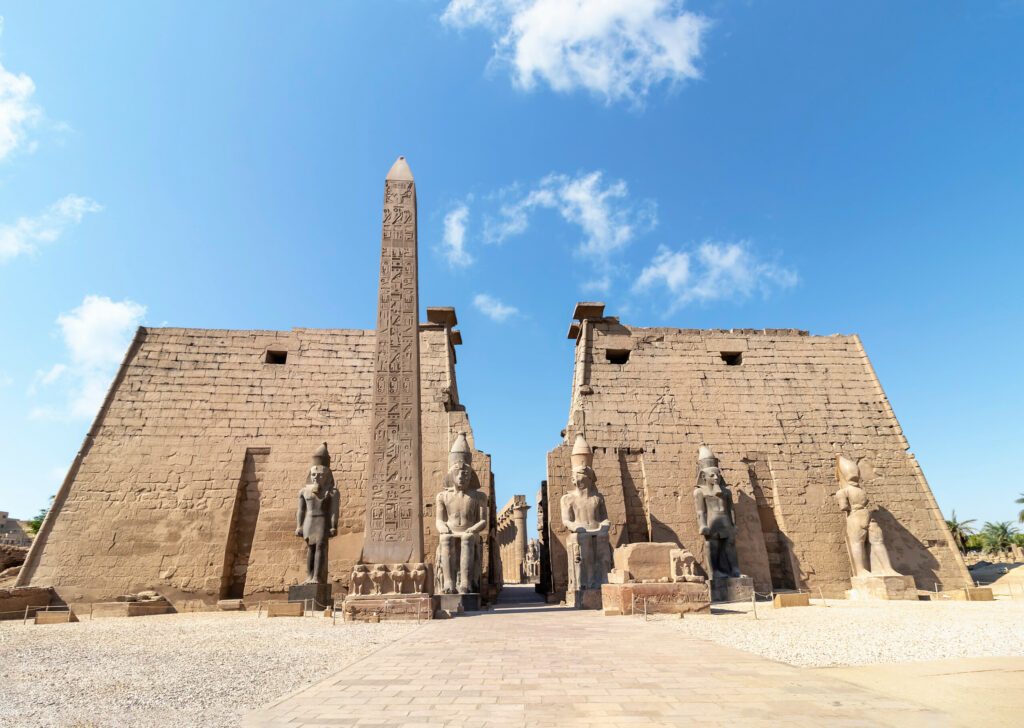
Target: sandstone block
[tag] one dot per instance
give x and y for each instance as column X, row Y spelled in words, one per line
column 284, row 609
column 672, row 598
column 792, row 600
column 55, row 617
column 643, row 560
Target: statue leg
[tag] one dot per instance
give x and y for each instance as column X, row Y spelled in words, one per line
column 880, row 563
column 320, row 562
column 448, row 573
column 573, row 547
column 467, row 550
column 310, row 562
column 856, row 535
column 716, row 553
column 729, row 544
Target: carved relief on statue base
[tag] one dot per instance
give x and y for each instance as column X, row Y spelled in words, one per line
column 882, row 587
column 387, row 607
column 676, row 598
column 385, row 579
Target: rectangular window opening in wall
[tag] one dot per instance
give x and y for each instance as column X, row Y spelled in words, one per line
column 617, row 356
column 276, row 357
column 732, row 358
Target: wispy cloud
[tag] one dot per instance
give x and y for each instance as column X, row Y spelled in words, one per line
column 18, row 112
column 96, row 335
column 603, row 212
column 616, row 49
column 455, row 236
column 713, row 272
column 26, row 234
column 5, row 379
column 493, row 308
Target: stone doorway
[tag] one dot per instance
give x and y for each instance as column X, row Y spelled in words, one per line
column 244, row 516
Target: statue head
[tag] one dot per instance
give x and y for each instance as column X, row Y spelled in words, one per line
column 584, row 477
column 847, row 471
column 318, row 477
column 711, row 477
column 359, row 569
column 460, row 465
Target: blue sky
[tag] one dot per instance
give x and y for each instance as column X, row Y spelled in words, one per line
column 853, row 167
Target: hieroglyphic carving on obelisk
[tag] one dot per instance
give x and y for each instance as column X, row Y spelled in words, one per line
column 394, row 500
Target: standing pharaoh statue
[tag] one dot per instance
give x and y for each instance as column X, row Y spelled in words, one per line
column 317, row 515
column 461, row 518
column 715, row 518
column 863, row 534
column 585, row 516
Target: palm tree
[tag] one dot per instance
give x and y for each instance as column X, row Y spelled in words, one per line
column 997, row 536
column 1020, row 502
column 960, row 530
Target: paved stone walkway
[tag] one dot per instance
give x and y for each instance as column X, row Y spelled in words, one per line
column 530, row 664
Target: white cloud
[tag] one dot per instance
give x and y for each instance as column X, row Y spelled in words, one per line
column 713, row 272
column 5, row 379
column 27, row 233
column 602, row 211
column 17, row 110
column 493, row 308
column 617, row 49
column 455, row 236
column 96, row 335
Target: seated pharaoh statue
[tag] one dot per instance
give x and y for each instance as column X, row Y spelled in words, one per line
column 715, row 519
column 862, row 530
column 461, row 518
column 585, row 516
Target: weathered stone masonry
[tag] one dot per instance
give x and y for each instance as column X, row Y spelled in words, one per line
column 777, row 406
column 186, row 481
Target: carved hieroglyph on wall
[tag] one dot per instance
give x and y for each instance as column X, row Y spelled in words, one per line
column 394, row 498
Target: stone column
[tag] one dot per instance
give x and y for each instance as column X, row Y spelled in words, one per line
column 519, row 521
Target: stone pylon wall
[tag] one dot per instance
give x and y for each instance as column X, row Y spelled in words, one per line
column 776, row 417
column 197, row 424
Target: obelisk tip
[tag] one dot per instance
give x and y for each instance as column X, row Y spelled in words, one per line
column 400, row 170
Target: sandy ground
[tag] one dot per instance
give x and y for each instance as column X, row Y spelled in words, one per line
column 197, row 669
column 862, row 633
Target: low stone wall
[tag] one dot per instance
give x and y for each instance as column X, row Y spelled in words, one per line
column 14, row 601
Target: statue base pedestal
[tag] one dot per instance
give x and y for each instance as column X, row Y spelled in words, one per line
column 882, row 587
column 386, row 607
column 458, row 602
column 732, row 589
column 677, row 598
column 317, row 596
column 583, row 598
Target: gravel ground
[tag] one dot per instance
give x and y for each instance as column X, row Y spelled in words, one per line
column 193, row 669
column 850, row 633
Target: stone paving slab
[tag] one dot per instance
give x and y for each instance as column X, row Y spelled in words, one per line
column 542, row 665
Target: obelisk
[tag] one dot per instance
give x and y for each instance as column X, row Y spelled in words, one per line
column 394, row 496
